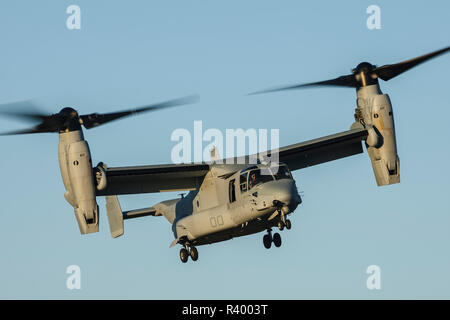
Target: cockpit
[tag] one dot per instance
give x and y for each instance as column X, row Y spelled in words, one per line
column 253, row 176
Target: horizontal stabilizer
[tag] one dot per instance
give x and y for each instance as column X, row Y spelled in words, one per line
column 139, row 213
column 116, row 216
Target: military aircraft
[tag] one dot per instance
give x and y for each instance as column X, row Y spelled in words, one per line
column 227, row 197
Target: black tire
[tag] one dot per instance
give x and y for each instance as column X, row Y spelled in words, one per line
column 267, row 241
column 193, row 253
column 184, row 255
column 281, row 225
column 277, row 240
column 288, row 224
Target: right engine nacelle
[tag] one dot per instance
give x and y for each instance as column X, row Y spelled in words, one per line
column 375, row 111
column 77, row 174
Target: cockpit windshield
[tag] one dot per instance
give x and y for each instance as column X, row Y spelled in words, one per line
column 253, row 176
column 281, row 172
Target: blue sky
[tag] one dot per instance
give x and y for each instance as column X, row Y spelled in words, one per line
column 138, row 52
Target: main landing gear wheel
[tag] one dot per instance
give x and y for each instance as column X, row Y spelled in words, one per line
column 193, row 252
column 184, row 255
column 288, row 224
column 267, row 240
column 277, row 240
column 281, row 225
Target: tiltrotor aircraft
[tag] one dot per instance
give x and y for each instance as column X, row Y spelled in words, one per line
column 226, row 199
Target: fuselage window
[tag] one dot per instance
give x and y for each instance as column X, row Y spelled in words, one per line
column 243, row 181
column 232, row 191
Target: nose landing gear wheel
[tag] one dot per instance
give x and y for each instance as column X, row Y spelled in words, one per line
column 288, row 224
column 193, row 252
column 281, row 225
column 267, row 240
column 277, row 240
column 184, row 255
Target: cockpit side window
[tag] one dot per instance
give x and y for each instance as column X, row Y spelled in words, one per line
column 243, row 181
column 256, row 177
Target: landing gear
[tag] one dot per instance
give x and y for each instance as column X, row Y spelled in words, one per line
column 268, row 239
column 188, row 251
column 277, row 240
column 184, row 255
column 283, row 222
column 288, row 224
column 193, row 252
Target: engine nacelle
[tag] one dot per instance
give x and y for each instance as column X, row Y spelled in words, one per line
column 78, row 177
column 375, row 112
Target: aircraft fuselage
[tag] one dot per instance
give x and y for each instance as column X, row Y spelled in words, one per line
column 248, row 201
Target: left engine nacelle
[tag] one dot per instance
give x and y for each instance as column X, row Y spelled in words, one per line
column 78, row 177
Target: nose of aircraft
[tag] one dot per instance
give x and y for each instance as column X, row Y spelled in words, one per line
column 284, row 191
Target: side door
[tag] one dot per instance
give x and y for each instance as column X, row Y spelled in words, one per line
column 248, row 202
column 232, row 192
column 240, row 208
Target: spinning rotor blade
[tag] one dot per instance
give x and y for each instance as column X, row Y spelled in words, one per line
column 25, row 110
column 365, row 74
column 390, row 71
column 25, row 131
column 96, row 119
column 344, row 81
column 68, row 118
column 49, row 124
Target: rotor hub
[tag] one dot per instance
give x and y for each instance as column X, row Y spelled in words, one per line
column 364, row 74
column 364, row 67
column 69, row 112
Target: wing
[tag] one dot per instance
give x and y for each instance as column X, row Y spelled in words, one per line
column 317, row 151
column 175, row 177
column 156, row 178
column 309, row 153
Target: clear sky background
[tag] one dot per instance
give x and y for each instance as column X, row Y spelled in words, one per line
column 131, row 53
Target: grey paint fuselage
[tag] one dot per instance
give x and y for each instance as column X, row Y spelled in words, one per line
column 208, row 214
